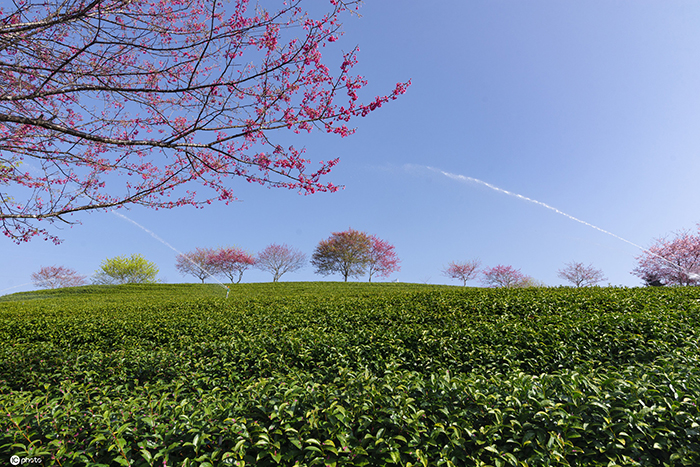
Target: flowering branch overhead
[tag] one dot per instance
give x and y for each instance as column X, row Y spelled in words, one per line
column 118, row 102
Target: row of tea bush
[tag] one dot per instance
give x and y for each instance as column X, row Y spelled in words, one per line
column 351, row 374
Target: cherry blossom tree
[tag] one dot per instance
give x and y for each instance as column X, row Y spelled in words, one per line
column 52, row 277
column 581, row 275
column 502, row 276
column 231, row 262
column 463, row 271
column 198, row 263
column 114, row 102
column 671, row 261
column 346, row 253
column 382, row 258
column 280, row 259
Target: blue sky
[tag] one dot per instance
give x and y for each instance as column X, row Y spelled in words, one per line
column 590, row 107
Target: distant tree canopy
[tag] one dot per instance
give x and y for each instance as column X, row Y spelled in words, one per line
column 462, row 270
column 53, row 277
column 197, row 263
column 280, row 259
column 352, row 253
column 230, row 262
column 382, row 258
column 122, row 270
column 580, row 275
column 671, row 261
column 345, row 253
column 503, row 276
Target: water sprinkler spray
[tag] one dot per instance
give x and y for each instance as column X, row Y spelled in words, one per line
column 16, row 286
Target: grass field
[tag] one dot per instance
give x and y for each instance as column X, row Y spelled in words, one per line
column 351, row 374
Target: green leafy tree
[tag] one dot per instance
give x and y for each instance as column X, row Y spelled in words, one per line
column 347, row 253
column 122, row 270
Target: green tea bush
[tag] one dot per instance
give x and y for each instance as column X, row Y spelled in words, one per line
column 351, row 374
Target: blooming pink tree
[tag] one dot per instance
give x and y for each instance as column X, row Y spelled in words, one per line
column 52, row 277
column 280, row 259
column 347, row 253
column 231, row 262
column 111, row 103
column 674, row 261
column 503, row 276
column 581, row 275
column 463, row 271
column 382, row 258
column 198, row 263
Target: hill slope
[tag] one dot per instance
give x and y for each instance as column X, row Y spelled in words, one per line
column 351, row 374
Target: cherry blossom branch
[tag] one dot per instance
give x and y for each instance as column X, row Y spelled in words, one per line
column 80, row 85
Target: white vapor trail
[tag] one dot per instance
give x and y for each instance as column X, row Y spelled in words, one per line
column 465, row 179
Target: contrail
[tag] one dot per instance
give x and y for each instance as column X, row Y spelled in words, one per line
column 465, row 179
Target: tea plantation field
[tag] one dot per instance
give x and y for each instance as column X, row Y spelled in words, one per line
column 336, row 374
